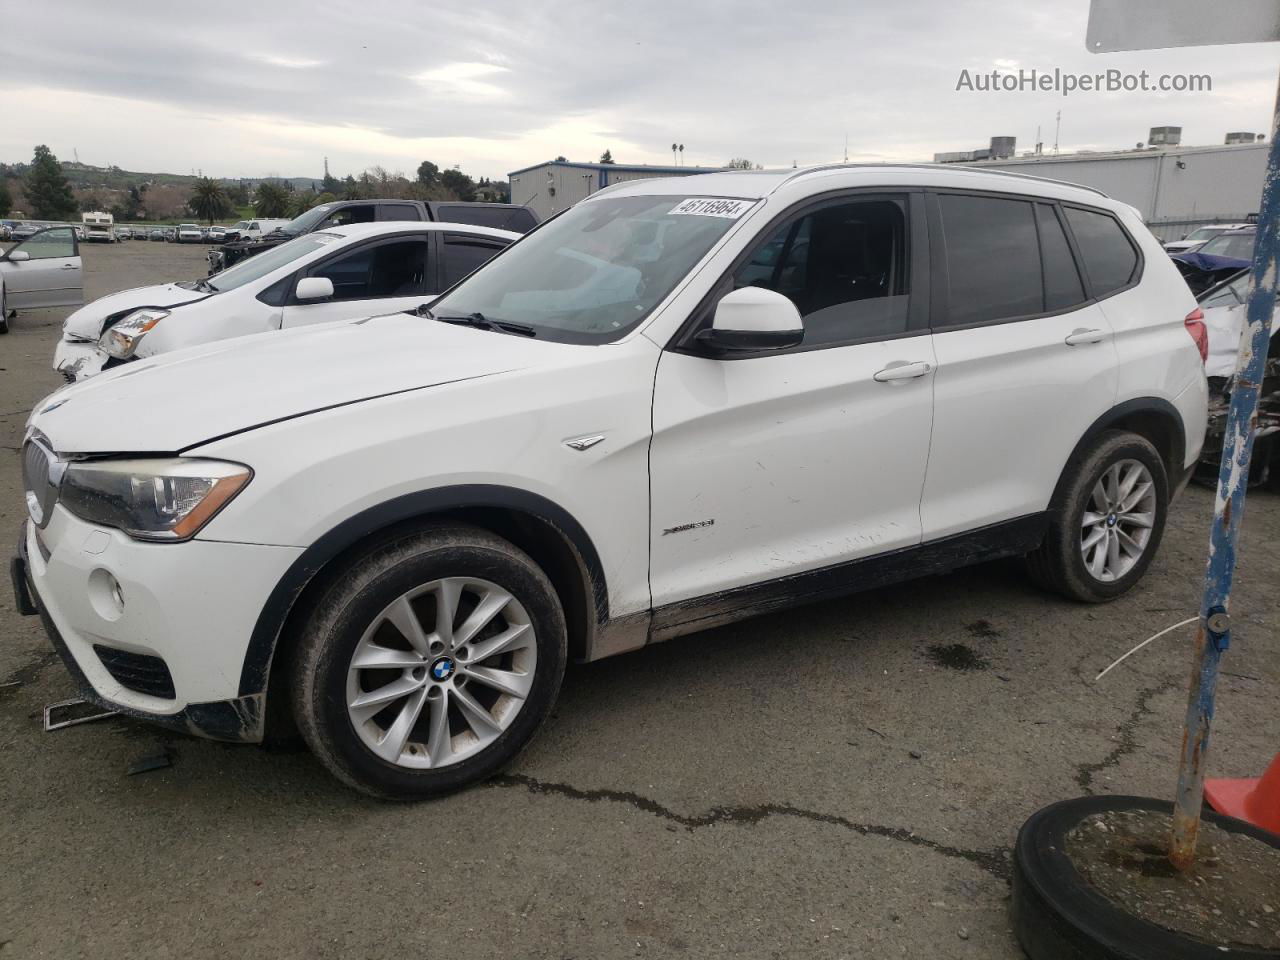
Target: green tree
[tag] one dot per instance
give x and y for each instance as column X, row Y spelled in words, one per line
column 209, row 200
column 742, row 163
column 304, row 200
column 271, row 199
column 606, row 157
column 459, row 184
column 428, row 173
column 47, row 189
column 351, row 189
column 6, row 198
column 330, row 184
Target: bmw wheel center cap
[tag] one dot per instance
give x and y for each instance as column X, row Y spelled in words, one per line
column 443, row 668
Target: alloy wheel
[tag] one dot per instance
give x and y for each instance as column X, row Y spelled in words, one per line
column 1118, row 519
column 441, row 672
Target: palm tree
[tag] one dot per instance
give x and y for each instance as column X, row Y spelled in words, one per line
column 271, row 200
column 209, row 200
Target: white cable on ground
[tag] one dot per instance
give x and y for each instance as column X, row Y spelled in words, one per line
column 1143, row 644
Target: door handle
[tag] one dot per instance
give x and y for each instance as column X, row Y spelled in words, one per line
column 1081, row 335
column 902, row 370
column 69, row 266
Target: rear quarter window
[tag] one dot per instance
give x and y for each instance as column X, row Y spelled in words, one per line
column 1110, row 257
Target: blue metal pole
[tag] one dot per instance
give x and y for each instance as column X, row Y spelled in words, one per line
column 1214, row 633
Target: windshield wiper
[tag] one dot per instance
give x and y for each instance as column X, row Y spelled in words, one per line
column 205, row 286
column 480, row 322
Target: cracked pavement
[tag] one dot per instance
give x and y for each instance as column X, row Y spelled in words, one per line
column 842, row 780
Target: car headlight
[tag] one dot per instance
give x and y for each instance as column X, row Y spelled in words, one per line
column 121, row 340
column 166, row 499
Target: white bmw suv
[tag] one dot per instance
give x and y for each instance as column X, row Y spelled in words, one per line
column 679, row 403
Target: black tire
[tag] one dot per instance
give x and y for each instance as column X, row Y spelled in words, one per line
column 1058, row 915
column 1058, row 564
column 357, row 594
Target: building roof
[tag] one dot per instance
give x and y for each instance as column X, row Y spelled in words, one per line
column 630, row 168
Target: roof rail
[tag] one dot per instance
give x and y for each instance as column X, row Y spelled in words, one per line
column 938, row 166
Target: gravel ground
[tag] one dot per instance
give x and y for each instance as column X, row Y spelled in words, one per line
column 844, row 780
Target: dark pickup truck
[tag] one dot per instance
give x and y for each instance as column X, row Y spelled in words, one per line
column 503, row 216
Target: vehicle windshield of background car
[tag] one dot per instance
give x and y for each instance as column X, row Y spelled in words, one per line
column 1203, row 234
column 254, row 268
column 1237, row 245
column 594, row 272
column 307, row 221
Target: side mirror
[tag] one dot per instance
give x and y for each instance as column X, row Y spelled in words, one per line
column 314, row 288
column 751, row 319
column 18, row 256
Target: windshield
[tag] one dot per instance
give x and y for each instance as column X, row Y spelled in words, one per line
column 598, row 269
column 1238, row 245
column 1203, row 234
column 246, row 271
column 308, row 221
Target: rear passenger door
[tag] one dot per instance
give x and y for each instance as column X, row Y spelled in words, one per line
column 462, row 253
column 1026, row 358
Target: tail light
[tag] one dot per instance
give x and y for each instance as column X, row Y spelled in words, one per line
column 1199, row 332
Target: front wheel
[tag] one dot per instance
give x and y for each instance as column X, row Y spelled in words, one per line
column 1107, row 521
column 429, row 662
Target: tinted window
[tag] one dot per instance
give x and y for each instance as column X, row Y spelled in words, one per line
column 517, row 219
column 844, row 266
column 993, row 260
column 1109, row 257
column 464, row 254
column 1062, row 286
column 387, row 270
column 254, row 268
column 398, row 211
column 48, row 244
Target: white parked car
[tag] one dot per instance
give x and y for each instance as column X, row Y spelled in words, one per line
column 190, row 233
column 334, row 275
column 1224, row 309
column 619, row 431
column 255, row 229
column 44, row 270
column 1200, row 236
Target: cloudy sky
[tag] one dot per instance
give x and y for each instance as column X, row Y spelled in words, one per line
column 250, row 89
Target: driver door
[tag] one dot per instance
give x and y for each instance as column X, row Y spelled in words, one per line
column 51, row 276
column 387, row 276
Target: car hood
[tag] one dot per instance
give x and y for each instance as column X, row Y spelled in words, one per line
column 87, row 322
column 182, row 399
column 1224, row 326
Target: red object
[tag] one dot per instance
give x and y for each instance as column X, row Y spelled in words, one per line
column 1194, row 323
column 1256, row 801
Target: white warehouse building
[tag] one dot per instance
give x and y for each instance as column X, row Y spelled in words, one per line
column 1175, row 188
column 558, row 184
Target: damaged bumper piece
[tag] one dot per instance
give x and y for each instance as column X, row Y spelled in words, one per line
column 1266, row 431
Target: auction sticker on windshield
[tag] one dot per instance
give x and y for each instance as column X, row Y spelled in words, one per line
column 713, row 207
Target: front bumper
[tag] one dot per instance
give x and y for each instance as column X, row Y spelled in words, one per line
column 192, row 605
column 77, row 360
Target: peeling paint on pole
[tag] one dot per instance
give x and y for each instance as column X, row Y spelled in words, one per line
column 1214, row 633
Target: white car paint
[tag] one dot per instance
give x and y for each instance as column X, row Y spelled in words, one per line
column 201, row 313
column 712, row 473
column 256, row 229
column 51, row 275
column 1225, row 317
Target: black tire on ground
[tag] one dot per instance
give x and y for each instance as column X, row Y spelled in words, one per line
column 1058, row 564
column 358, row 593
column 1057, row 915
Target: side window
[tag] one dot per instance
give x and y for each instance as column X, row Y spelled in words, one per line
column 360, row 213
column 462, row 254
column 398, row 211
column 1062, row 286
column 395, row 269
column 49, row 244
column 1109, row 257
column 843, row 265
column 993, row 258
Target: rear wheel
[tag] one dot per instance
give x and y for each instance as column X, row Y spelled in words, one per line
column 1107, row 522
column 429, row 663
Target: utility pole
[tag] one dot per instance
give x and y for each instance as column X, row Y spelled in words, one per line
column 1056, row 128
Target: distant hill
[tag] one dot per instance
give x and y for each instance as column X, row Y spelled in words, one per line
column 82, row 175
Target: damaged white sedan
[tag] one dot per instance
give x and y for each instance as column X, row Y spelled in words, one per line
column 337, row 274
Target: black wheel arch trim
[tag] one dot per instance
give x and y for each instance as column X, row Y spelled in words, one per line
column 422, row 504
column 1139, row 405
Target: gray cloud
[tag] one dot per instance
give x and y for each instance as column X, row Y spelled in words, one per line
column 773, row 82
